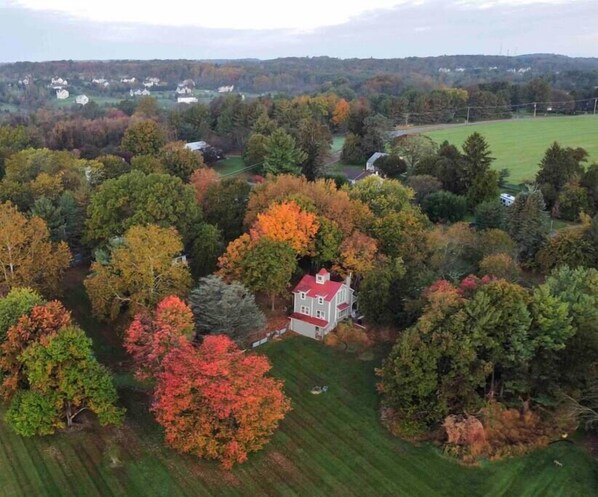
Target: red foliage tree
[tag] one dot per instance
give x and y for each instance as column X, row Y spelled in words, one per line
column 42, row 321
column 215, row 401
column 150, row 338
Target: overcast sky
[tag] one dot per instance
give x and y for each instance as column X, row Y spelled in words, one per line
column 193, row 29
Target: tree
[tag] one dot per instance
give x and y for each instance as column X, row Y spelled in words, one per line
column 225, row 204
column 528, row 222
column 18, row 302
column 27, row 256
column 491, row 214
column 216, row 402
column 139, row 199
column 268, row 266
column 357, row 254
column 445, row 206
column 501, row 266
column 113, row 166
column 570, row 247
column 378, row 299
column 225, row 309
column 12, row 139
column 382, row 196
column 340, row 113
column 480, row 182
column 423, row 185
column 352, row 152
column 282, row 154
column 558, row 166
column 413, row 148
column 201, row 180
column 143, row 138
column 207, row 246
column 391, row 166
column 40, row 322
column 255, row 149
column 180, row 161
column 64, row 380
column 314, row 139
column 572, row 202
column 287, row 222
column 151, row 336
column 140, row 272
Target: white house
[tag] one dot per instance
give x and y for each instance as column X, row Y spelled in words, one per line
column 59, row 82
column 187, row 100
column 62, row 94
column 145, row 92
column 226, row 89
column 82, row 99
column 183, row 90
column 196, row 146
column 128, row 80
column 319, row 304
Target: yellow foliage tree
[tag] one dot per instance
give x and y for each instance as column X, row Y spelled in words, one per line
column 27, row 256
column 142, row 270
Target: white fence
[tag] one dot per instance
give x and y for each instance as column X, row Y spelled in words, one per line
column 272, row 334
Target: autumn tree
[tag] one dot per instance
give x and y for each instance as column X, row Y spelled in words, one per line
column 180, row 161
column 143, row 138
column 41, row 321
column 138, row 199
column 201, row 180
column 216, row 402
column 287, row 222
column 221, row 308
column 18, row 302
column 64, row 379
column 152, row 335
column 141, row 271
column 27, row 256
column 357, row 254
column 340, row 113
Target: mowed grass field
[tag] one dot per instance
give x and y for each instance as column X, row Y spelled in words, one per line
column 519, row 144
column 329, row 445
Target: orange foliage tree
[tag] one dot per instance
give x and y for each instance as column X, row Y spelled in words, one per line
column 215, row 401
column 149, row 338
column 340, row 113
column 41, row 321
column 201, row 180
column 287, row 222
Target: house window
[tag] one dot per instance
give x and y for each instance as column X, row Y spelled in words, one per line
column 320, row 300
column 302, row 295
column 305, row 310
column 321, row 314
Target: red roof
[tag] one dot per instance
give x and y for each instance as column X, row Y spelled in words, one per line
column 328, row 289
column 309, row 319
column 342, row 307
column 322, row 272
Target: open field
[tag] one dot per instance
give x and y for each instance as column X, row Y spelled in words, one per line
column 519, row 145
column 330, row 444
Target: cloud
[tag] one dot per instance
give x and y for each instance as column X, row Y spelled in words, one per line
column 410, row 28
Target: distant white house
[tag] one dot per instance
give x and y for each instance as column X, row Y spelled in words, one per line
column 62, row 94
column 59, row 82
column 196, row 146
column 82, row 99
column 183, row 90
column 139, row 93
column 506, row 199
column 128, row 80
column 99, row 81
column 226, row 89
column 187, row 100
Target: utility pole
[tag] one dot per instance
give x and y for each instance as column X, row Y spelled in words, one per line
column 467, row 119
column 535, row 105
column 595, row 102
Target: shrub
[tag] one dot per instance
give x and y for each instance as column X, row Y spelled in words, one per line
column 501, row 266
column 491, row 214
column 445, row 206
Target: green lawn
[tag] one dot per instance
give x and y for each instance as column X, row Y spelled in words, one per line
column 329, row 445
column 230, row 166
column 337, row 143
column 519, row 145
